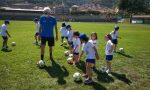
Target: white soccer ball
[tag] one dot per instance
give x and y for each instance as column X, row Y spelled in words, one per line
column 77, row 76
column 121, row 49
column 65, row 43
column 66, row 53
column 41, row 63
column 103, row 68
column 70, row 55
column 13, row 43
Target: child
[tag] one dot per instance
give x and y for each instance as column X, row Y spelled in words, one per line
column 94, row 41
column 91, row 55
column 64, row 33
column 70, row 37
column 37, row 32
column 114, row 35
column 109, row 53
column 76, row 47
column 5, row 34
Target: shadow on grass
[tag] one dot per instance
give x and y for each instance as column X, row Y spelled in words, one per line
column 82, row 66
column 97, row 86
column 56, row 71
column 6, row 50
column 103, row 76
column 124, row 54
column 122, row 77
column 66, row 47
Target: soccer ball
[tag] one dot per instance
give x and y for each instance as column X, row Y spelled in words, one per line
column 77, row 77
column 70, row 60
column 41, row 64
column 103, row 69
column 121, row 49
column 66, row 53
column 70, row 55
column 13, row 43
column 65, row 43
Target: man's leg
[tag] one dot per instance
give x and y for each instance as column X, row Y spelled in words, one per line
column 42, row 51
column 51, row 52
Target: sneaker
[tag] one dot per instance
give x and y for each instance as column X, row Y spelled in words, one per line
column 108, row 71
column 88, row 81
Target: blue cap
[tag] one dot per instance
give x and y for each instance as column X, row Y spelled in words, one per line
column 116, row 27
column 35, row 19
column 83, row 36
column 68, row 26
column 6, row 21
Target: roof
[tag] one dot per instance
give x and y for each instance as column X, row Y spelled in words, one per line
column 141, row 16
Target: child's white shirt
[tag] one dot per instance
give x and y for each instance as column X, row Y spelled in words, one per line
column 88, row 48
column 64, row 32
column 114, row 35
column 76, row 43
column 109, row 45
column 38, row 27
column 94, row 42
column 3, row 30
column 70, row 35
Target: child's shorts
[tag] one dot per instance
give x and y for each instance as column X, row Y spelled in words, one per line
column 115, row 41
column 109, row 57
column 90, row 61
column 75, row 53
column 37, row 33
column 62, row 37
column 70, row 43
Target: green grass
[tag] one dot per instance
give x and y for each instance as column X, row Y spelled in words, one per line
column 18, row 70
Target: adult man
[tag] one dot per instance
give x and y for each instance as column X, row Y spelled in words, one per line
column 47, row 24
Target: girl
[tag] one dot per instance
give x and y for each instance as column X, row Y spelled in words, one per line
column 114, row 35
column 64, row 33
column 91, row 55
column 109, row 53
column 76, row 47
column 94, row 41
column 70, row 37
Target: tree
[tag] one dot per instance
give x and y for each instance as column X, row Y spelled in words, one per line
column 132, row 6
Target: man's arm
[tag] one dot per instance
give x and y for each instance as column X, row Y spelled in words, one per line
column 56, row 30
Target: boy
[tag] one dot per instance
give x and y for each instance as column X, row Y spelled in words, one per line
column 109, row 53
column 37, row 32
column 76, row 47
column 64, row 33
column 70, row 37
column 5, row 34
column 114, row 35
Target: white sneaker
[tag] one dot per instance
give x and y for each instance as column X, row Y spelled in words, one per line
column 108, row 71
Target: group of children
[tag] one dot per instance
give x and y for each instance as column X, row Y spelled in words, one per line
column 75, row 40
column 89, row 47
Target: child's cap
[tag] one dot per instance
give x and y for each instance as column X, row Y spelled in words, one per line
column 83, row 36
column 68, row 26
column 116, row 27
column 63, row 24
column 35, row 19
column 6, row 21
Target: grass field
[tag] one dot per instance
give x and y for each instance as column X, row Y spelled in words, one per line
column 18, row 70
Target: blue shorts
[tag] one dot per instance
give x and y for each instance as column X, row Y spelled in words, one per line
column 109, row 57
column 70, row 43
column 90, row 61
column 75, row 53
column 115, row 41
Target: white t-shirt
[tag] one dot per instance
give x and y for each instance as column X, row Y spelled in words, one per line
column 114, row 35
column 3, row 30
column 88, row 48
column 94, row 42
column 76, row 43
column 38, row 27
column 64, row 32
column 109, row 47
column 70, row 35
